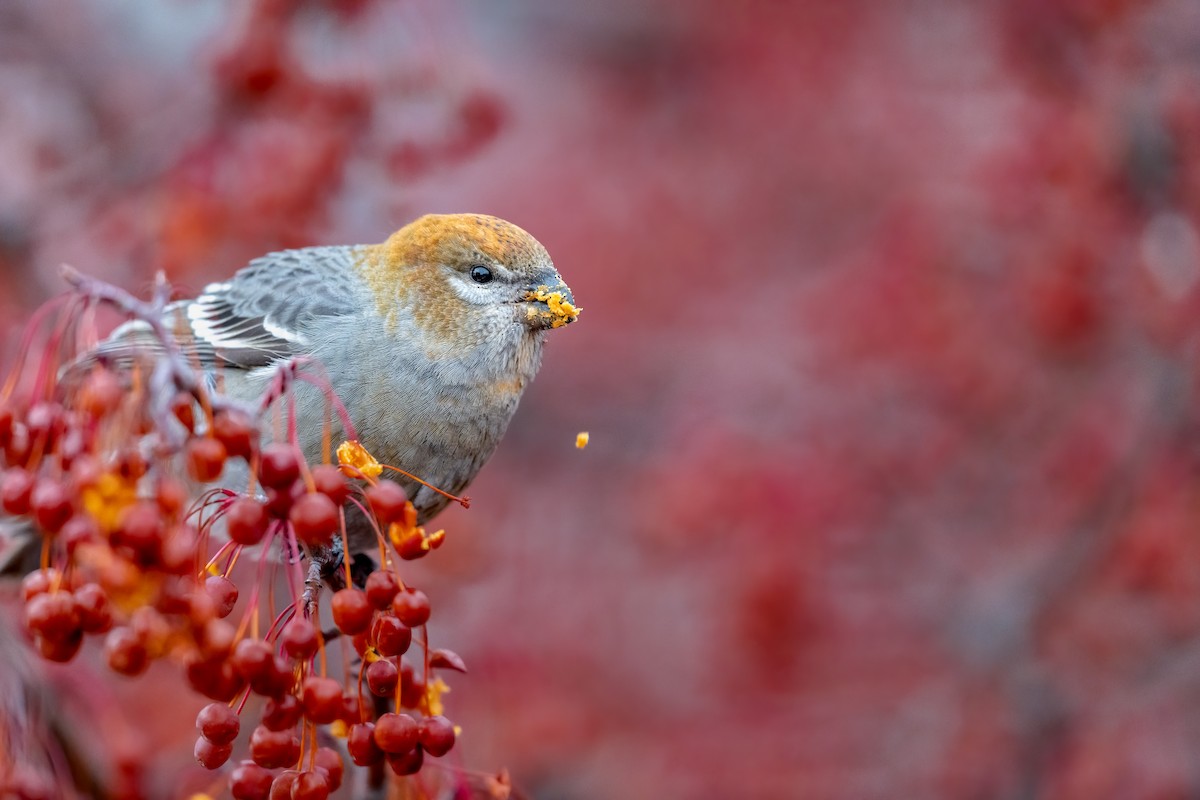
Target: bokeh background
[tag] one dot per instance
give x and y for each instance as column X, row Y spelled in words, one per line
column 889, row 358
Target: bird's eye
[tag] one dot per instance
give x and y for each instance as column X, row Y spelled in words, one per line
column 481, row 274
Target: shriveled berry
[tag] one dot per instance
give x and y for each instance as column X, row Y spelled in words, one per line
column 246, row 521
column 310, row 785
column 224, row 594
column 329, row 481
column 411, row 606
column 249, row 781
column 437, row 735
column 360, row 743
column 408, row 762
column 351, row 610
column 125, row 652
column 381, row 587
column 396, row 733
column 95, row 613
column 218, row 723
column 52, row 615
column 322, row 699
column 278, row 466
column 382, row 677
column 51, row 505
column 387, row 500
column 330, row 761
column 282, row 713
column 205, row 457
column 236, row 432
column 314, row 517
column 299, row 639
column 274, row 749
column 211, row 755
column 16, row 488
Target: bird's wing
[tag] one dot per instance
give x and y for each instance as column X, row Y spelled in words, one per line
column 257, row 317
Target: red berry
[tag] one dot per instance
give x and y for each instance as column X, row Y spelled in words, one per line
column 205, row 457
column 299, row 639
column 281, row 787
column 236, row 432
column 218, row 723
column 412, row 607
column 95, row 613
column 330, row 761
column 381, row 587
column 351, row 611
column 125, row 652
column 223, row 593
column 52, row 615
column 392, row 637
column 387, row 499
column 436, row 735
column 214, row 678
column 274, row 681
column 352, row 711
column 279, row 501
column 407, row 763
column 141, row 529
column 314, row 517
column 246, row 521
column 360, row 743
column 217, row 638
column 322, row 698
column 274, row 749
column 211, row 755
column 282, row 713
column 59, row 650
column 330, row 482
column 39, row 582
column 310, row 786
column 171, row 496
column 382, row 677
column 78, row 530
column 51, row 505
column 278, row 466
column 183, row 406
column 396, row 733
column 253, row 658
column 16, row 487
column 45, row 422
column 100, row 394
column 249, row 781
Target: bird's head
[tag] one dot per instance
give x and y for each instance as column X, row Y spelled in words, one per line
column 460, row 274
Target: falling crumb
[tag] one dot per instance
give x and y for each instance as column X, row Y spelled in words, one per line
column 581, row 439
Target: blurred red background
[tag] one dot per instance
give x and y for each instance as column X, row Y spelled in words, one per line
column 888, row 356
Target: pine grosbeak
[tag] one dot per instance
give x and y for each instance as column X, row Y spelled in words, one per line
column 428, row 339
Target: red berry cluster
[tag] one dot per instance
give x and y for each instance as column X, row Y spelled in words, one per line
column 122, row 494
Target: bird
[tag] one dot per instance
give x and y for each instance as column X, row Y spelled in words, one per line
column 429, row 340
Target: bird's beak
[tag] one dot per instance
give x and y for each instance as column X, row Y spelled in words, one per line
column 550, row 304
